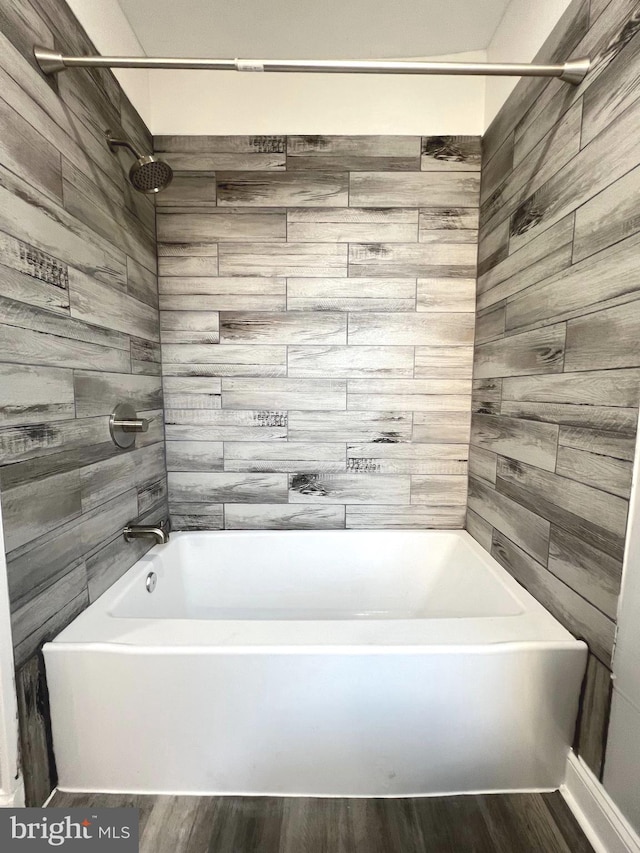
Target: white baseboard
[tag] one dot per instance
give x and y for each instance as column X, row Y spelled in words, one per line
column 601, row 820
column 13, row 800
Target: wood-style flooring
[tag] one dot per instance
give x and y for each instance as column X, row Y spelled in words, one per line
column 499, row 823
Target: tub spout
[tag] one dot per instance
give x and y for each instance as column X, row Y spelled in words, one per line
column 159, row 533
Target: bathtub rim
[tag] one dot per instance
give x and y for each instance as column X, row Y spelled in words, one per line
column 95, row 628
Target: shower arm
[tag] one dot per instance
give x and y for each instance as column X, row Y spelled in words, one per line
column 573, row 71
column 114, row 143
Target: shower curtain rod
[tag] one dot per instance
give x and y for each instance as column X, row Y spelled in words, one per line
column 574, row 71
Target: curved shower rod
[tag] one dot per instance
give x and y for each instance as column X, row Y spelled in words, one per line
column 574, row 71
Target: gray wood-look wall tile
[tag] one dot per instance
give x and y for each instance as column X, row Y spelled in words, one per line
column 586, row 174
column 593, row 721
column 192, row 392
column 35, row 319
column 439, row 491
column 607, row 338
column 609, row 418
column 181, row 161
column 194, row 455
column 608, row 217
column 284, row 457
column 419, row 260
column 433, row 362
column 378, row 427
column 598, row 517
column 517, row 522
column 349, row 361
column 605, row 38
column 194, row 326
column 526, row 441
column 28, row 513
column 480, row 529
column 602, row 441
column 189, row 191
column 366, row 517
column 29, row 154
column 442, row 426
column 608, row 97
column 224, row 425
column 279, row 189
column 490, row 323
column 554, row 151
column 483, row 464
column 302, row 394
column 446, row 294
column 451, row 153
column 404, row 458
column 81, row 331
column 538, row 351
column 22, row 345
column 603, row 472
column 295, row 327
column 486, row 396
column 542, row 257
column 460, row 221
column 573, row 611
column 353, row 153
column 97, row 392
column 32, row 394
column 284, row 517
column 593, row 574
column 224, row 487
column 591, row 387
column 562, row 169
column 223, row 360
column 256, row 146
column 108, row 564
column 289, row 259
column 212, row 226
column 97, row 303
column 357, row 276
column 349, row 488
column 605, row 276
column 186, row 264
column 351, row 225
column 28, row 286
column 568, row 32
column 437, row 188
column 198, row 515
column 36, row 749
column 425, row 329
column 351, row 294
column 206, row 293
column 32, row 623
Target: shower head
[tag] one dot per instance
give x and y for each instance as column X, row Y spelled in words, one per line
column 148, row 174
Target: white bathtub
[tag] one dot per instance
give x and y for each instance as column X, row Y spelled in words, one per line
column 340, row 663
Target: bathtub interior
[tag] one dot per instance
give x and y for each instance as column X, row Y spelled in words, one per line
column 346, row 575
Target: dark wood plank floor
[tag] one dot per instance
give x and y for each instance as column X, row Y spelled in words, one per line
column 499, row 823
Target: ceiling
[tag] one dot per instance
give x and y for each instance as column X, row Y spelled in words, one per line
column 323, row 29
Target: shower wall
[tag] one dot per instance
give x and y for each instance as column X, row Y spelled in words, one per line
column 79, row 332
column 557, row 356
column 317, row 314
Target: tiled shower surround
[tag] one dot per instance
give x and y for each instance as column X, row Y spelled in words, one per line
column 317, row 300
column 79, row 332
column 557, row 361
